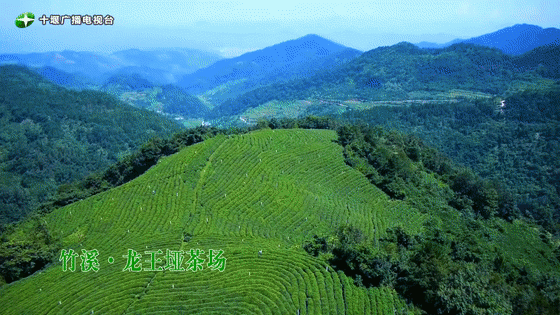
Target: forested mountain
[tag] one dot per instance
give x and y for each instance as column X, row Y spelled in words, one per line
column 50, row 135
column 141, row 78
column 178, row 102
column 168, row 99
column 513, row 40
column 156, row 76
column 288, row 60
column 398, row 72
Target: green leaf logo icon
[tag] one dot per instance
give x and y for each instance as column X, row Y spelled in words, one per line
column 25, row 19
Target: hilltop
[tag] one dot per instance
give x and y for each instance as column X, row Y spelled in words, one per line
column 126, row 82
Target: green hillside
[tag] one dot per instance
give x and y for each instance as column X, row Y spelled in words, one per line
column 268, row 190
column 50, row 135
column 262, row 199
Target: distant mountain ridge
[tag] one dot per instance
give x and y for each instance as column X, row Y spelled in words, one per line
column 514, row 40
column 163, row 66
column 94, row 66
column 399, row 72
column 296, row 58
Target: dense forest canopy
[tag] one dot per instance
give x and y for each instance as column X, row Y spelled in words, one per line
column 516, row 145
column 51, row 136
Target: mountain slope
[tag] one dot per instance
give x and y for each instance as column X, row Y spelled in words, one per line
column 126, row 82
column 180, row 103
column 167, row 99
column 50, row 136
column 517, row 145
column 268, row 190
column 291, row 59
column 65, row 79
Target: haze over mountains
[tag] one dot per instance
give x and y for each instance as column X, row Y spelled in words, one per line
column 162, row 66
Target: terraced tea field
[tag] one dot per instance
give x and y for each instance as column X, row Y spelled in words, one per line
column 256, row 197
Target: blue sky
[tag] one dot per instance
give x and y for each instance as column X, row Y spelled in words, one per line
column 234, row 27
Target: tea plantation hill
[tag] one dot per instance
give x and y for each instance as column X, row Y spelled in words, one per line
column 302, row 232
column 267, row 190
